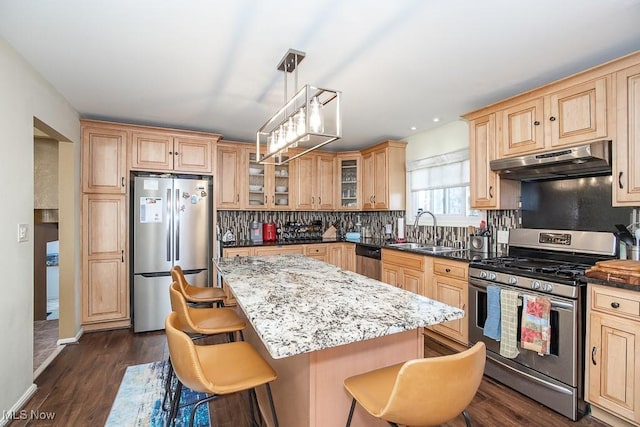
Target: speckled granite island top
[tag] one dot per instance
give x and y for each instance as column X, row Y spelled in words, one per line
column 298, row 304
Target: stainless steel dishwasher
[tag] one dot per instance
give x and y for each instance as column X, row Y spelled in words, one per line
column 368, row 261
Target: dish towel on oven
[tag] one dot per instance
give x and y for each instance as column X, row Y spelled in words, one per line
column 492, row 324
column 535, row 333
column 509, row 315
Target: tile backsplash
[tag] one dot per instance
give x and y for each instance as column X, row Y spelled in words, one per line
column 239, row 224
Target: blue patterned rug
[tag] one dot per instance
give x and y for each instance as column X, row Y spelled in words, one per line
column 139, row 399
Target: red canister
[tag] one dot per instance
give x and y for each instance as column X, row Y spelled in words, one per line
column 269, row 232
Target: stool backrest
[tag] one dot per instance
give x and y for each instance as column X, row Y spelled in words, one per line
column 178, row 276
column 179, row 306
column 434, row 390
column 184, row 358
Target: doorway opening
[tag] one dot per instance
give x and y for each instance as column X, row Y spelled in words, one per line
column 46, row 240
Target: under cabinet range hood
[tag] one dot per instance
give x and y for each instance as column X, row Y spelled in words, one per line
column 584, row 160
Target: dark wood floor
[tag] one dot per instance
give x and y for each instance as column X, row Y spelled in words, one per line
column 81, row 383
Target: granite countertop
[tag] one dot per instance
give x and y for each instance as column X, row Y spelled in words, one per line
column 613, row 284
column 459, row 255
column 298, row 304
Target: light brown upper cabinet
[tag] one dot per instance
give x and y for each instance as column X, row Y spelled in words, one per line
column 488, row 190
column 104, row 159
column 314, row 181
column 601, row 103
column 384, row 176
column 562, row 118
column 168, row 151
column 266, row 186
column 348, row 181
column 229, row 183
column 626, row 170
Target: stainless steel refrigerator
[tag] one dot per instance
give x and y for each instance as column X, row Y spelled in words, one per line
column 171, row 224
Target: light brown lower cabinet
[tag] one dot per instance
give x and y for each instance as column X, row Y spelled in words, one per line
column 343, row 255
column 406, row 270
column 105, row 290
column 450, row 286
column 612, row 359
column 318, row 251
column 437, row 278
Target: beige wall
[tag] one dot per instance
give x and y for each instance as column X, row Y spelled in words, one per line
column 25, row 96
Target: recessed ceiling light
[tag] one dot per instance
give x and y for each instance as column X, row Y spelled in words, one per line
column 436, row 119
column 413, row 128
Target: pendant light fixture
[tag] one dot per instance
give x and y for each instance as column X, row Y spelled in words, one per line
column 308, row 120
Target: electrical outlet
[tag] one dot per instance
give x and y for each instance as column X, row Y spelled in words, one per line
column 503, row 236
column 23, row 233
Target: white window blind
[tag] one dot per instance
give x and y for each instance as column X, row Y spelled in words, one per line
column 440, row 184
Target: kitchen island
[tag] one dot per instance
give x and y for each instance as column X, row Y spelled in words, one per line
column 317, row 324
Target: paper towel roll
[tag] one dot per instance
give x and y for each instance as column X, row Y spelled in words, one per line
column 400, row 228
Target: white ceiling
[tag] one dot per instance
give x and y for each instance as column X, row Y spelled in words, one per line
column 211, row 65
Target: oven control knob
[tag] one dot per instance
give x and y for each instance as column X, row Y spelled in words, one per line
column 492, row 276
column 548, row 287
column 535, row 285
column 483, row 274
column 513, row 280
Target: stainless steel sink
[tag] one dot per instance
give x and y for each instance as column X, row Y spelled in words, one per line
column 406, row 245
column 419, row 247
column 435, row 249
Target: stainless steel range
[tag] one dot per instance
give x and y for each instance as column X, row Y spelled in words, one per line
column 551, row 264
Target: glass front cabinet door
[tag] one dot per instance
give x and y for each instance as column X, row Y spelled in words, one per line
column 349, row 188
column 268, row 185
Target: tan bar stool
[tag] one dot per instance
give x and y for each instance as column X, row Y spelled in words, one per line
column 420, row 392
column 196, row 294
column 216, row 370
column 199, row 323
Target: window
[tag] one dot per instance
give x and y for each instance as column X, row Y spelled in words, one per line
column 440, row 184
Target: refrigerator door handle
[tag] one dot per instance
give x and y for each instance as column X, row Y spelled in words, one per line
column 168, row 216
column 177, row 220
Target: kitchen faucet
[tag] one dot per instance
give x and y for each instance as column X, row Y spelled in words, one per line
column 435, row 223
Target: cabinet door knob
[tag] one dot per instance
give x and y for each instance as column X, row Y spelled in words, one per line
column 122, row 255
column 122, row 182
column 620, row 180
column 615, row 304
column 170, row 152
column 448, row 270
column 491, row 191
column 594, row 350
column 552, row 118
column 536, row 123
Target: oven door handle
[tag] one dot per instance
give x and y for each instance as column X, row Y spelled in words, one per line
column 481, row 286
column 531, row 377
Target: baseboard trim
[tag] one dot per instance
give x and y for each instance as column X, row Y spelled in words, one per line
column 48, row 360
column 73, row 340
column 14, row 412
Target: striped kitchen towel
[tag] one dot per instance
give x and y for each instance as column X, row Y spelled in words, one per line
column 492, row 324
column 509, row 315
column 535, row 333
